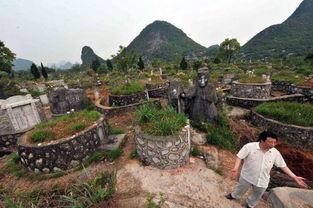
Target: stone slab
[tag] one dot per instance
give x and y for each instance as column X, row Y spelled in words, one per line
column 286, row 197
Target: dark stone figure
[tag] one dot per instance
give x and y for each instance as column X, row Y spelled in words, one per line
column 202, row 98
column 175, row 90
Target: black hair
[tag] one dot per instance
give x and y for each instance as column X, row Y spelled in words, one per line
column 265, row 134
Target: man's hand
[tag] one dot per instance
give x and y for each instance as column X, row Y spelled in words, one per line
column 234, row 174
column 300, row 181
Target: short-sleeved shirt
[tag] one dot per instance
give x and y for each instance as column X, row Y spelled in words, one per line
column 258, row 164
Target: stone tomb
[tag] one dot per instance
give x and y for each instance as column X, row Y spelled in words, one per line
column 62, row 100
column 17, row 115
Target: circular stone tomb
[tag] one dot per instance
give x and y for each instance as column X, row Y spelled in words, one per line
column 163, row 152
column 121, row 100
column 251, row 90
column 63, row 154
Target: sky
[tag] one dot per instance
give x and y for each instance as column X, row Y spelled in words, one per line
column 49, row 31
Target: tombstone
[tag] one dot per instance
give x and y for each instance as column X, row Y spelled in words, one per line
column 62, row 100
column 44, row 99
column 19, row 112
column 96, row 93
column 202, row 98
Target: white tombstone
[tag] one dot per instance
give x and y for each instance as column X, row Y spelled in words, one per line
column 21, row 111
column 96, row 93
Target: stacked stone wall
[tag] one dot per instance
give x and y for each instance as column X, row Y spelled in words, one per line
column 251, row 90
column 10, row 138
column 166, row 152
column 122, row 100
column 118, row 110
column 297, row 135
column 64, row 154
column 250, row 102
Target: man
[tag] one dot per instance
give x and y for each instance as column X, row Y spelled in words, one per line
column 259, row 158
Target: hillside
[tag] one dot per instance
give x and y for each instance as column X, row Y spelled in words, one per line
column 162, row 40
column 293, row 37
column 21, row 64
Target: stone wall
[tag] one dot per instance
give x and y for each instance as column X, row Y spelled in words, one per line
column 158, row 93
column 9, row 139
column 297, row 135
column 62, row 100
column 293, row 89
column 251, row 90
column 151, row 86
column 118, row 110
column 121, row 100
column 63, row 154
column 163, row 152
column 250, row 102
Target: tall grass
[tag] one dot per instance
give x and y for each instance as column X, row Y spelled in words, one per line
column 288, row 112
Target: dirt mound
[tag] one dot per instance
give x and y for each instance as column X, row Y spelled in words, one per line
column 299, row 161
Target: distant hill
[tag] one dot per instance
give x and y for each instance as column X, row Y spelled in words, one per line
column 61, row 65
column 212, row 50
column 293, row 37
column 21, row 64
column 88, row 56
column 162, row 40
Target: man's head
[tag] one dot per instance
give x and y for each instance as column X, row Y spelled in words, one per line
column 268, row 139
column 203, row 76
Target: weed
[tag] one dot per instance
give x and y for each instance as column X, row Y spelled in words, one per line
column 133, row 154
column 76, row 127
column 196, row 151
column 42, row 135
column 152, row 204
column 114, row 154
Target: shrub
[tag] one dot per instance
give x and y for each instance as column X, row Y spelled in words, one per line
column 160, row 122
column 127, row 89
column 41, row 135
column 288, row 112
column 196, row 151
column 35, row 93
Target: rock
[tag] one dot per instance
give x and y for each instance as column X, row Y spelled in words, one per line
column 286, row 197
column 198, row 138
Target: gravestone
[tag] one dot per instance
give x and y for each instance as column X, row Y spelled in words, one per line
column 62, row 100
column 19, row 113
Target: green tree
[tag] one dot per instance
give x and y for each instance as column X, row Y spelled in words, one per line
column 34, row 70
column 6, row 58
column 95, row 65
column 227, row 49
column 196, row 64
column 125, row 59
column 309, row 58
column 109, row 64
column 183, row 64
column 43, row 71
column 141, row 64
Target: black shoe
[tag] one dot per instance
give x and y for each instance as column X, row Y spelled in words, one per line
column 229, row 196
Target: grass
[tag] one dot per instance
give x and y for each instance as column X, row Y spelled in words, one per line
column 261, row 71
column 127, row 89
column 288, row 76
column 152, row 204
column 88, row 194
column 115, row 131
column 133, row 154
column 161, row 122
column 250, row 79
column 288, row 112
column 219, row 134
column 64, row 126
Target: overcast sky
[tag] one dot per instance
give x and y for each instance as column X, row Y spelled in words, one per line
column 49, row 31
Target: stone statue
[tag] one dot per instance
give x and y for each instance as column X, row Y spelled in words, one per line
column 175, row 89
column 201, row 98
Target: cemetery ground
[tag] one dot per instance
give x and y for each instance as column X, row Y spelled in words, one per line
column 127, row 182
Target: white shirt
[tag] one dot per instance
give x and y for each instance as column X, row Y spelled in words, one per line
column 257, row 164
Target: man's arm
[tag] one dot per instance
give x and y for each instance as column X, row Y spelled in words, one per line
column 235, row 170
column 299, row 180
